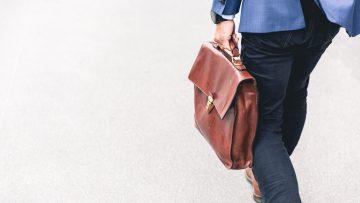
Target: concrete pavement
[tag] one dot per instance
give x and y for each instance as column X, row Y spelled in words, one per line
column 96, row 107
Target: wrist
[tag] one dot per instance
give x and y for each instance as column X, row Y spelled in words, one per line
column 216, row 18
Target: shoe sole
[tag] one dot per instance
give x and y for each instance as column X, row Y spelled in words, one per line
column 257, row 198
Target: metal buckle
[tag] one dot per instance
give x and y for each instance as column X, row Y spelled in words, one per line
column 209, row 104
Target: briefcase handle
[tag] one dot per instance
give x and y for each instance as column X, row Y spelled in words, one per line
column 234, row 59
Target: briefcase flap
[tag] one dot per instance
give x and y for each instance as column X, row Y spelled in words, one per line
column 216, row 76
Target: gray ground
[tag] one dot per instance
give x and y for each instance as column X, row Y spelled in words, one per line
column 96, row 107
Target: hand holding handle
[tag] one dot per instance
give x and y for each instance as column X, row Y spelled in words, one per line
column 233, row 55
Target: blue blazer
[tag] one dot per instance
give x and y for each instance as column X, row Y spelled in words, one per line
column 260, row 16
column 343, row 12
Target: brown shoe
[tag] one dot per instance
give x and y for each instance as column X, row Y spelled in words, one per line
column 250, row 177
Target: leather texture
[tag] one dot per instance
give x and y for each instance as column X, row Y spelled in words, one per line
column 230, row 126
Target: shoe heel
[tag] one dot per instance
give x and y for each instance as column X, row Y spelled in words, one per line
column 257, row 199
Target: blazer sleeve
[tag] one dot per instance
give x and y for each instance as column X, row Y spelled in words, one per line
column 226, row 7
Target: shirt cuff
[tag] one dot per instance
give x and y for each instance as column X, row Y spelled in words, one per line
column 228, row 17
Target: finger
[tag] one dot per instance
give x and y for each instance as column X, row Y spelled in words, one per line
column 235, row 38
column 234, row 48
column 232, row 45
column 235, row 52
column 223, row 43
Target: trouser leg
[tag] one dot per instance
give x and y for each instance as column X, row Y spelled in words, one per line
column 295, row 104
column 281, row 63
column 269, row 60
column 319, row 34
column 305, row 59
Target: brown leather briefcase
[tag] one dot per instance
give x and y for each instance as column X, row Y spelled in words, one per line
column 225, row 105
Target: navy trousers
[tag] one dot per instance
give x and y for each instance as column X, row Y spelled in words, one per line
column 281, row 63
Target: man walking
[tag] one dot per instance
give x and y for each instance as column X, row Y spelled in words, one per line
column 282, row 41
